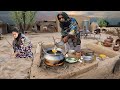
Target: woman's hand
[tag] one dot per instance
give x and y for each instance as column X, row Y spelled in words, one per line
column 14, row 54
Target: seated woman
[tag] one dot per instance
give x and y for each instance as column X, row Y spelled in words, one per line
column 22, row 45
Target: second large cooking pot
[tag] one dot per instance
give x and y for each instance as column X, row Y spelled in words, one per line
column 53, row 59
column 88, row 59
column 88, row 56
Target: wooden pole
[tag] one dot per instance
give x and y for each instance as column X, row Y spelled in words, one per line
column 8, row 41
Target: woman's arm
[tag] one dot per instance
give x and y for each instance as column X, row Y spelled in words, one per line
column 25, row 44
column 15, row 47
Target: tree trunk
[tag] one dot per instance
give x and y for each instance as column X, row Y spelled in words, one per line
column 28, row 27
column 21, row 28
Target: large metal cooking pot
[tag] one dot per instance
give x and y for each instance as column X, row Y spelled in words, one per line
column 53, row 58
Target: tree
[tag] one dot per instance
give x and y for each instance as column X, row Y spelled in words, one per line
column 23, row 19
column 102, row 22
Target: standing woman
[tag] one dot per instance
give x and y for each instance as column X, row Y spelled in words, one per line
column 70, row 33
column 22, row 45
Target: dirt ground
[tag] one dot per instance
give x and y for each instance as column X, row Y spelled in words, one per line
column 97, row 73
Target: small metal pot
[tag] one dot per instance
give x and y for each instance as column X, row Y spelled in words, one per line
column 117, row 42
column 89, row 53
column 88, row 59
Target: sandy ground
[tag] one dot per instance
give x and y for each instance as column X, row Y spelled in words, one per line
column 6, row 50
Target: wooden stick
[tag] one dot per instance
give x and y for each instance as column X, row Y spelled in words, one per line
column 4, row 52
column 54, row 40
column 8, row 41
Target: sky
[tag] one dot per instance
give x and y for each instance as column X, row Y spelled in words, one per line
column 111, row 14
column 50, row 15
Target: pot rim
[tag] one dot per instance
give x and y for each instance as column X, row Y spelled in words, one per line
column 53, row 54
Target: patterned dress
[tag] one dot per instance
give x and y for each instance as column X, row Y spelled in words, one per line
column 23, row 47
column 73, row 43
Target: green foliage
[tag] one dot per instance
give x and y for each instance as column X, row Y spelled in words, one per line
column 18, row 17
column 102, row 23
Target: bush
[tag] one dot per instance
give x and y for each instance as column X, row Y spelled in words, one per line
column 102, row 22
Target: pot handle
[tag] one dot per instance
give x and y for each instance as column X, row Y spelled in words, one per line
column 55, row 43
column 41, row 44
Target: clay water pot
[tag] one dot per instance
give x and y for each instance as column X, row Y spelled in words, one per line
column 110, row 38
column 107, row 44
column 117, row 42
column 107, row 40
column 116, row 47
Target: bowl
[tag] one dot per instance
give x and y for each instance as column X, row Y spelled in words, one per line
column 71, row 51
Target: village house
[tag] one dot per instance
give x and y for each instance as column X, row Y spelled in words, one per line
column 49, row 23
column 46, row 26
column 6, row 23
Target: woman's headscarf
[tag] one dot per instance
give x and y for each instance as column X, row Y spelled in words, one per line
column 66, row 23
column 17, row 40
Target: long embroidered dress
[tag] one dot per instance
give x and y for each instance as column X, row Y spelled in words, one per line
column 23, row 47
column 72, row 43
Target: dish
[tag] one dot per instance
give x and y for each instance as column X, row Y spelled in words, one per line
column 71, row 60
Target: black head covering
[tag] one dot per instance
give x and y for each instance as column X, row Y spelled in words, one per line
column 66, row 23
column 15, row 29
column 65, row 15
